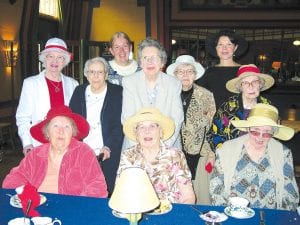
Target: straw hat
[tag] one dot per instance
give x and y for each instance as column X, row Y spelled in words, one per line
column 80, row 122
column 264, row 115
column 149, row 114
column 56, row 45
column 186, row 59
column 212, row 40
column 246, row 71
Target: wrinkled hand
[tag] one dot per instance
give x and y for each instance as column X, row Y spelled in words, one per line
column 27, row 149
column 106, row 153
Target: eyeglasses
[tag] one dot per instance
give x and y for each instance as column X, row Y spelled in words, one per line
column 151, row 59
column 57, row 58
column 144, row 128
column 182, row 72
column 259, row 134
column 96, row 73
column 253, row 83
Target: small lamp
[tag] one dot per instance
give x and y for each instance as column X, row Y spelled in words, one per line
column 133, row 194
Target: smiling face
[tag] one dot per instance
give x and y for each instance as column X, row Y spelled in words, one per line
column 250, row 87
column 96, row 75
column 225, row 48
column 151, row 62
column 54, row 62
column 148, row 134
column 60, row 131
column 120, row 50
column 260, row 136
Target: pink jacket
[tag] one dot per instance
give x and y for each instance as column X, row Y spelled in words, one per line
column 80, row 173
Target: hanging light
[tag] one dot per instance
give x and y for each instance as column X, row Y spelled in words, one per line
column 296, row 42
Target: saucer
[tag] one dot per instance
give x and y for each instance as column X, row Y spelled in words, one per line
column 164, row 207
column 119, row 214
column 15, row 201
column 240, row 213
column 161, row 211
column 213, row 217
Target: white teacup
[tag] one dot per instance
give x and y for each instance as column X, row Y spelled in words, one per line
column 238, row 202
column 19, row 221
column 44, row 221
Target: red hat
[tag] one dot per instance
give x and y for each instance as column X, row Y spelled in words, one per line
column 82, row 125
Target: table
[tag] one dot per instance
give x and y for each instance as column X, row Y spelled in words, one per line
column 74, row 210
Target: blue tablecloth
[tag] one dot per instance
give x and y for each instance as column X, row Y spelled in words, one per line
column 73, row 210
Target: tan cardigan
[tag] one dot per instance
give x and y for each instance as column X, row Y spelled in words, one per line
column 229, row 155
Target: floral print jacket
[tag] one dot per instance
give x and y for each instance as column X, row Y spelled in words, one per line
column 166, row 172
column 221, row 129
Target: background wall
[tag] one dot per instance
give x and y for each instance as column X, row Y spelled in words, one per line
column 10, row 19
column 112, row 16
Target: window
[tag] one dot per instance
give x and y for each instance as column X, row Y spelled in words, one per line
column 49, row 8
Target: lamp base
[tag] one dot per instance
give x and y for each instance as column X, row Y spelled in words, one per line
column 134, row 218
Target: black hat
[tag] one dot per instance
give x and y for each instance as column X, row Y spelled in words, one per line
column 211, row 42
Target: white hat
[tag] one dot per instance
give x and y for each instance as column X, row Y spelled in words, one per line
column 186, row 59
column 57, row 45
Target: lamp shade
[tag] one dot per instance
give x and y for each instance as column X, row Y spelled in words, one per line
column 134, row 192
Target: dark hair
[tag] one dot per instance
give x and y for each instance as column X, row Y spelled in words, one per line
column 227, row 33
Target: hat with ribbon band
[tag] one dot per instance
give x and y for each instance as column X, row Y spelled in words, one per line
column 244, row 71
column 264, row 115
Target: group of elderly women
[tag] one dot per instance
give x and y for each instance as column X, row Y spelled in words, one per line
column 193, row 150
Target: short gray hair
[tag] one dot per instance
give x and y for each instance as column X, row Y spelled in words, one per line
column 89, row 62
column 150, row 42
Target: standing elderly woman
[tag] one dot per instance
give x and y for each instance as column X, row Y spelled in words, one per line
column 150, row 87
column 62, row 164
column 100, row 102
column 247, row 86
column 256, row 166
column 199, row 109
column 226, row 46
column 123, row 63
column 49, row 89
column 166, row 166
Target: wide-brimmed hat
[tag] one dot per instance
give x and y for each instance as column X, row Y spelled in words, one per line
column 149, row 114
column 80, row 122
column 246, row 71
column 264, row 115
column 212, row 40
column 186, row 59
column 57, row 45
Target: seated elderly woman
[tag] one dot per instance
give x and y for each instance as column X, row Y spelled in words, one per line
column 247, row 87
column 62, row 164
column 256, row 166
column 166, row 167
